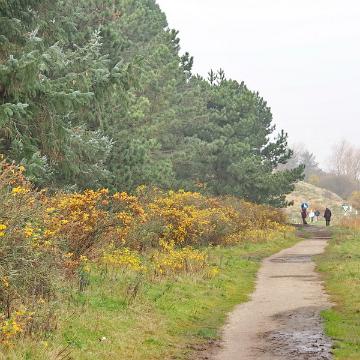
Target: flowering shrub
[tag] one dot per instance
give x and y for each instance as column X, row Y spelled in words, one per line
column 14, row 326
column 170, row 260
column 190, row 218
column 2, row 230
column 29, row 266
column 122, row 258
column 54, row 241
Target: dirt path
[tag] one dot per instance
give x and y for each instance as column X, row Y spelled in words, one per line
column 282, row 319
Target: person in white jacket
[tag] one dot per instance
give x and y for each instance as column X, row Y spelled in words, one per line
column 312, row 215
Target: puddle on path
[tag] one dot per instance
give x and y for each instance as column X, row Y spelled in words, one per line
column 300, row 336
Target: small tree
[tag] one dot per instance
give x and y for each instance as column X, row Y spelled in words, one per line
column 345, row 160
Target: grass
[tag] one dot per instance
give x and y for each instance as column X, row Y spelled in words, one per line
column 341, row 268
column 159, row 320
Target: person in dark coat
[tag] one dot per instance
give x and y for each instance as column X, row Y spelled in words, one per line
column 304, row 215
column 327, row 216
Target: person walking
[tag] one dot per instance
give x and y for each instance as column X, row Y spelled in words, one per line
column 317, row 214
column 327, row 216
column 304, row 216
column 312, row 216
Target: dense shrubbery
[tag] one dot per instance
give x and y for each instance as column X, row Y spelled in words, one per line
column 50, row 242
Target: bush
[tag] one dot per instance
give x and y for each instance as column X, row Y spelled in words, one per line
column 30, row 270
column 50, row 243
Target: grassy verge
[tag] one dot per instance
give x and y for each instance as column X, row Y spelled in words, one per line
column 160, row 320
column 341, row 268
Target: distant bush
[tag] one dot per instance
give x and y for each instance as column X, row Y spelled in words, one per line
column 339, row 184
column 351, row 223
column 355, row 199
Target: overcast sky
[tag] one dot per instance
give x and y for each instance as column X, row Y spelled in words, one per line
column 302, row 56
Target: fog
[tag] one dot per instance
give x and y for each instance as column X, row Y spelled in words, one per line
column 302, row 56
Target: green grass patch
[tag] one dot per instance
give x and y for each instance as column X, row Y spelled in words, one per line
column 341, row 268
column 164, row 319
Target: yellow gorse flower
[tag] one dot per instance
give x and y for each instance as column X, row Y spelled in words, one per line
column 3, row 227
column 122, row 258
column 171, row 260
column 5, row 281
column 19, row 190
column 15, row 325
column 29, row 231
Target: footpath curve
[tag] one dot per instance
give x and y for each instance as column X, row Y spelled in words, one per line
column 282, row 319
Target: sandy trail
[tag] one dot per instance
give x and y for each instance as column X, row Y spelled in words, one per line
column 282, row 319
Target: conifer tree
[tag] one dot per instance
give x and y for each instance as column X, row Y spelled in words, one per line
column 98, row 93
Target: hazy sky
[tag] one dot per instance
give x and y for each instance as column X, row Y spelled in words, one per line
column 302, row 56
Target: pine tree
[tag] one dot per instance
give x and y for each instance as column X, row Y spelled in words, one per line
column 96, row 93
column 212, row 77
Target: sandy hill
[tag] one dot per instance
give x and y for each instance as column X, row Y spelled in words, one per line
column 317, row 198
